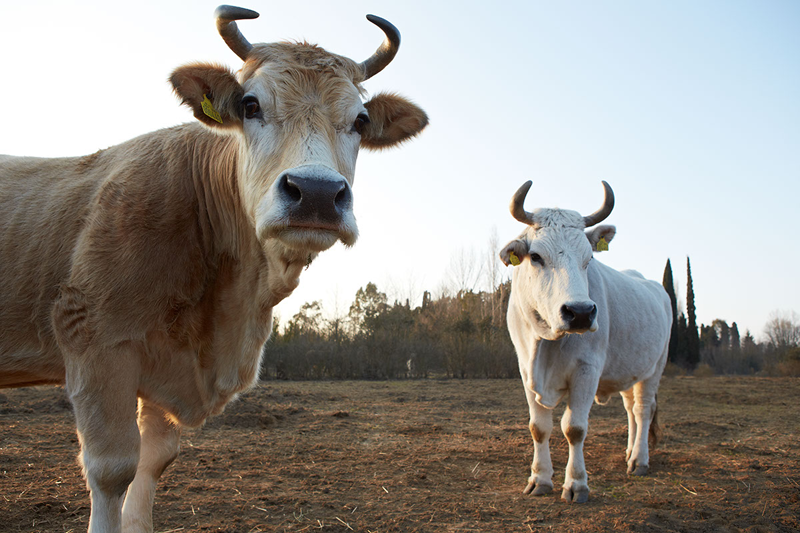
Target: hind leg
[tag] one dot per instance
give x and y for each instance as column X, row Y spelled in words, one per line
column 644, row 411
column 627, row 400
column 160, row 446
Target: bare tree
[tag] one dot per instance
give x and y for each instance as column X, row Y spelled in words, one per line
column 409, row 291
column 464, row 271
column 783, row 330
column 496, row 275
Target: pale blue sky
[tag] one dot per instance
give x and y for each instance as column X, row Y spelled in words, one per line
column 690, row 110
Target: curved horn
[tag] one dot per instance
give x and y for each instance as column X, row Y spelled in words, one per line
column 226, row 15
column 602, row 213
column 387, row 50
column 516, row 204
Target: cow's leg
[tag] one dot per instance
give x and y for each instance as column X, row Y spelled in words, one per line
column 627, row 400
column 160, row 445
column 102, row 386
column 575, row 424
column 644, row 409
column 541, row 425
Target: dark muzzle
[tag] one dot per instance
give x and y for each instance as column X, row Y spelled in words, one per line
column 315, row 202
column 579, row 316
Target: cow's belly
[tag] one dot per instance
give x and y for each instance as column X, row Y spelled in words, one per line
column 625, row 372
column 606, row 388
column 28, row 366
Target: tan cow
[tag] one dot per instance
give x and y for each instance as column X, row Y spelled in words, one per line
column 144, row 276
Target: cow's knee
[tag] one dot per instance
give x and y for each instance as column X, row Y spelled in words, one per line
column 539, row 433
column 110, row 473
column 575, row 435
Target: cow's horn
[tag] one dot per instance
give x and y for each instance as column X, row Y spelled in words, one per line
column 226, row 15
column 386, row 52
column 516, row 204
column 602, row 213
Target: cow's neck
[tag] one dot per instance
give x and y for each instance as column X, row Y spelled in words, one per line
column 213, row 161
column 226, row 226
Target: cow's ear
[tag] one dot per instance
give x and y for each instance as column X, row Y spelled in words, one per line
column 513, row 252
column 392, row 120
column 597, row 233
column 212, row 92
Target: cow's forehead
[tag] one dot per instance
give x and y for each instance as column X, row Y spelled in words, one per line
column 287, row 57
column 557, row 227
column 544, row 217
column 302, row 79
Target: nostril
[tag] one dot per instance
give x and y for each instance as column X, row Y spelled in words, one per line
column 342, row 197
column 290, row 188
column 579, row 315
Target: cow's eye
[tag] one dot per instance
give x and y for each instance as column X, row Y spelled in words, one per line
column 251, row 107
column 360, row 123
column 536, row 258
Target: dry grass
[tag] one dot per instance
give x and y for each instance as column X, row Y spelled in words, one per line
column 429, row 456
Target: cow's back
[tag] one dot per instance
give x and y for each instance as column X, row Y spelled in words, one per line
column 636, row 314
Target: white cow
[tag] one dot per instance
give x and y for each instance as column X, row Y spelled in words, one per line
column 144, row 276
column 582, row 330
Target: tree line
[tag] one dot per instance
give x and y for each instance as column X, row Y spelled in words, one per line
column 720, row 348
column 463, row 334
column 457, row 336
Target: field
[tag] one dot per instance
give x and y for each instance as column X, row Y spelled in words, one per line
column 428, row 456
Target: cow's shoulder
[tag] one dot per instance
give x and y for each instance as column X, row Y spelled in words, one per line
column 147, row 247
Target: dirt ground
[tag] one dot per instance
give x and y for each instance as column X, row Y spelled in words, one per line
column 428, row 456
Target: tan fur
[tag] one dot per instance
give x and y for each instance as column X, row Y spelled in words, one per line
column 136, row 274
column 390, row 122
column 655, row 429
column 575, row 435
column 538, row 434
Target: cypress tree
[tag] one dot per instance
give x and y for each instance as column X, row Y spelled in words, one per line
column 736, row 343
column 692, row 337
column 669, row 286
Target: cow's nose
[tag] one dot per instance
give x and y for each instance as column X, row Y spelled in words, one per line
column 579, row 315
column 315, row 199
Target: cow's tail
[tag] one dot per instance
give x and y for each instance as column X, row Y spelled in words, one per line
column 655, row 429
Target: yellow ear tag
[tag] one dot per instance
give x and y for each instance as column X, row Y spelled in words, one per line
column 514, row 259
column 602, row 245
column 208, row 109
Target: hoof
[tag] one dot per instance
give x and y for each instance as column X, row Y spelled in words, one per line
column 537, row 490
column 575, row 496
column 638, row 470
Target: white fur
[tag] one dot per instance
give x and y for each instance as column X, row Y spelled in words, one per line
column 625, row 352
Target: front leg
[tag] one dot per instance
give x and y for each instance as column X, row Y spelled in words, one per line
column 541, row 426
column 160, row 445
column 575, row 424
column 102, row 388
